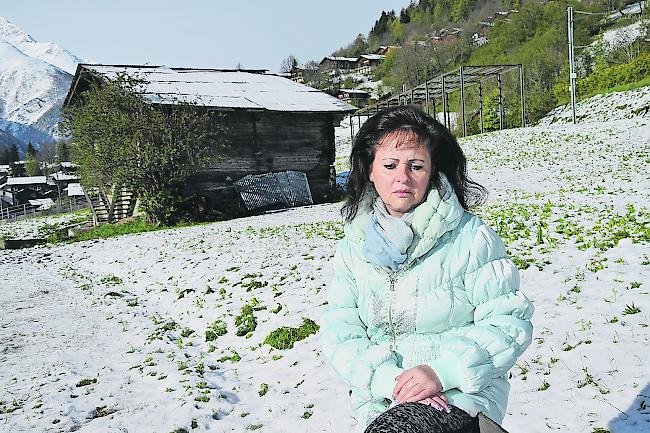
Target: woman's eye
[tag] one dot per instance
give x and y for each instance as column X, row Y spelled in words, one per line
column 417, row 167
column 390, row 166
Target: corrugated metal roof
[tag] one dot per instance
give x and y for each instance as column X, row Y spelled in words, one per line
column 226, row 89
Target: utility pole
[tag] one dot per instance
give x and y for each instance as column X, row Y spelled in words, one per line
column 572, row 67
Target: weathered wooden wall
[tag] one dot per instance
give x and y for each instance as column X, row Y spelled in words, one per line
column 262, row 142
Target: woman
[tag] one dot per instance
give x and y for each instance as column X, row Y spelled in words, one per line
column 424, row 305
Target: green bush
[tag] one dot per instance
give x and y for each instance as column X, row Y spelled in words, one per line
column 286, row 336
column 637, row 70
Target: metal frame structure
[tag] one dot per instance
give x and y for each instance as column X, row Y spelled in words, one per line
column 441, row 86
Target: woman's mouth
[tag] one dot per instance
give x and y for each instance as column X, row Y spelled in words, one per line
column 403, row 193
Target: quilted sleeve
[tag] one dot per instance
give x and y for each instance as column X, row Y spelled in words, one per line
column 368, row 369
column 470, row 357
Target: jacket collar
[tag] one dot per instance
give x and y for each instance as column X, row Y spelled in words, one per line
column 440, row 213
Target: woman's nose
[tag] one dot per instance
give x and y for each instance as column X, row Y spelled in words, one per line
column 402, row 174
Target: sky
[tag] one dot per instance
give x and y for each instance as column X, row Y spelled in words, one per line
column 197, row 33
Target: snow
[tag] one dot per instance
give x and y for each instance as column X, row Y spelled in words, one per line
column 233, row 89
column 48, row 52
column 569, row 200
column 34, row 79
column 75, row 189
column 27, row 180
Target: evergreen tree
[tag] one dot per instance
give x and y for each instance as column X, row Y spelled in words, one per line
column 62, row 151
column 31, row 150
column 4, row 155
column 13, row 153
column 404, row 16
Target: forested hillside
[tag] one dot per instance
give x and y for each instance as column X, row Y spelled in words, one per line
column 530, row 32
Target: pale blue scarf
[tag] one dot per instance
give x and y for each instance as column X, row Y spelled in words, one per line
column 387, row 237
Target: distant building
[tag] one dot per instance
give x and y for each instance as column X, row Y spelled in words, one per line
column 384, row 49
column 337, row 65
column 273, row 124
column 354, row 96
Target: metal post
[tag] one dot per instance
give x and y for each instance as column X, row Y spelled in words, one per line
column 462, row 100
column 480, row 104
column 444, row 102
column 500, row 103
column 448, row 112
column 426, row 96
column 435, row 113
column 572, row 70
column 351, row 129
column 521, row 95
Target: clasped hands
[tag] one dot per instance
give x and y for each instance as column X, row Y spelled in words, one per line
column 420, row 384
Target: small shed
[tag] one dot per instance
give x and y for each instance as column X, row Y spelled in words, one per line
column 273, row 124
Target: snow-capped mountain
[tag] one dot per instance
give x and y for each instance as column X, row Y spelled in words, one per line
column 34, row 80
column 49, row 52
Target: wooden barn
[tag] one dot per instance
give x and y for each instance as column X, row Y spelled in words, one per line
column 273, row 124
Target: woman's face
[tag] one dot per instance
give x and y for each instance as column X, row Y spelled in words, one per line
column 401, row 171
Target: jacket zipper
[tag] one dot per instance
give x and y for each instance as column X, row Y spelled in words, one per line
column 392, row 278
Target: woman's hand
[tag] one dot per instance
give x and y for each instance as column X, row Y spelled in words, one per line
column 418, row 384
column 439, row 401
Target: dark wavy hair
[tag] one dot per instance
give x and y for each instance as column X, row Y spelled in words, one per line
column 446, row 155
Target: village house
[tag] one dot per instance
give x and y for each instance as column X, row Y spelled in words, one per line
column 354, row 96
column 367, row 62
column 19, row 190
column 272, row 124
column 384, row 49
column 337, row 65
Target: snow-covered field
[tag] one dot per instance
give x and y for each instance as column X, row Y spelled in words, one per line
column 110, row 335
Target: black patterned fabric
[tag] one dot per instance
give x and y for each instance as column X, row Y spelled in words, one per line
column 421, row 418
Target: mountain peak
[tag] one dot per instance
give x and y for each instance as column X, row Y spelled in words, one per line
column 46, row 51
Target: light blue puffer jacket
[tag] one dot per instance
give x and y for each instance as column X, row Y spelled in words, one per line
column 455, row 305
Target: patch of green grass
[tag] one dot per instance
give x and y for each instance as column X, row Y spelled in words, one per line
column 254, row 426
column 235, row 357
column 631, row 309
column 286, row 336
column 104, row 231
column 246, row 322
column 264, row 388
column 111, row 280
column 86, row 382
column 216, row 329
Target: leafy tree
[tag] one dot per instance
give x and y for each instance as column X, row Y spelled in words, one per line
column 121, row 140
column 314, row 77
column 32, row 166
column 288, row 63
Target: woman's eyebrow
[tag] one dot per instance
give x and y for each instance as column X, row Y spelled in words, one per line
column 397, row 159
